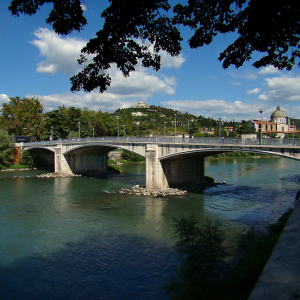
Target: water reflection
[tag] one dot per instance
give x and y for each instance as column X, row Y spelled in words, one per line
column 75, row 237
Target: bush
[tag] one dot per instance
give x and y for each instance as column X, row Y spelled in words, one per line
column 132, row 157
column 202, row 258
column 209, row 179
column 6, row 146
column 27, row 159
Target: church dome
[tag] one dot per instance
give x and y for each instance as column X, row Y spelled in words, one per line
column 278, row 113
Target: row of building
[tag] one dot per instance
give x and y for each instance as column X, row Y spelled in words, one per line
column 279, row 123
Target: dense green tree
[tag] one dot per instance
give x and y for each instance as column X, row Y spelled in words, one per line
column 6, row 146
column 245, row 128
column 131, row 28
column 23, row 116
column 27, row 159
column 132, row 157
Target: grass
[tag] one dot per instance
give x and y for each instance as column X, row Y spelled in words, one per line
column 14, row 167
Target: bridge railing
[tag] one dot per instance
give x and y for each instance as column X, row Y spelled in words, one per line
column 171, row 140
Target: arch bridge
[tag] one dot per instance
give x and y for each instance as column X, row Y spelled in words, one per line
column 170, row 161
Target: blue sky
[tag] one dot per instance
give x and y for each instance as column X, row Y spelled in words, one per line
column 35, row 62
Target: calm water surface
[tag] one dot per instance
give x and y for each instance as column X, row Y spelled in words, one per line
column 76, row 238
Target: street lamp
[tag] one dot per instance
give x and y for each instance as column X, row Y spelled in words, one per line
column 118, row 126
column 220, row 127
column 70, row 135
column 124, row 129
column 175, row 124
column 188, row 125
column 93, row 132
column 293, row 131
column 165, row 128
column 51, row 133
column 261, row 111
column 79, row 131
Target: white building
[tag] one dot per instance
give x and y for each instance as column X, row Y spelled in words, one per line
column 278, row 123
column 141, row 104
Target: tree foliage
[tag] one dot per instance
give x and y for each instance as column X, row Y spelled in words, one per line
column 201, row 253
column 23, row 116
column 245, row 128
column 6, row 146
column 138, row 30
column 132, row 157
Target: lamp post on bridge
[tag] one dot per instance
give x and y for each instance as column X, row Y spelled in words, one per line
column 93, row 132
column 118, row 126
column 293, row 131
column 79, row 130
column 188, row 125
column 261, row 111
column 70, row 135
column 165, row 128
column 220, row 128
column 124, row 129
column 175, row 124
column 51, row 133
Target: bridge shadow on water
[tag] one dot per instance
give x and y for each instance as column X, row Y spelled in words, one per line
column 98, row 267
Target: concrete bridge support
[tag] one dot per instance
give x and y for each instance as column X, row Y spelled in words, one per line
column 173, row 172
column 87, row 163
column 186, row 170
column 155, row 177
column 60, row 163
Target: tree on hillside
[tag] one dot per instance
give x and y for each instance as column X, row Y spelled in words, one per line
column 6, row 147
column 137, row 30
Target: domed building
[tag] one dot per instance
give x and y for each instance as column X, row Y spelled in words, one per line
column 279, row 117
column 141, row 104
column 278, row 123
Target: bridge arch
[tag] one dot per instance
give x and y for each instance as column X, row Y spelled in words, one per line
column 214, row 151
column 43, row 157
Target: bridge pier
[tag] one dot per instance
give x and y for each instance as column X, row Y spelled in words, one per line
column 155, row 177
column 173, row 172
column 185, row 170
column 60, row 163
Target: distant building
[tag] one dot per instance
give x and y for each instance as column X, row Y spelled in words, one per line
column 141, row 104
column 278, row 123
column 138, row 114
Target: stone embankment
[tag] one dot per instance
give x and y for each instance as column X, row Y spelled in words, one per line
column 55, row 175
column 141, row 191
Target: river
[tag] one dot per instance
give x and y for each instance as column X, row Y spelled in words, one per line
column 76, row 238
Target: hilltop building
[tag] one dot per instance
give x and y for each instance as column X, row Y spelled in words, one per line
column 278, row 123
column 141, row 104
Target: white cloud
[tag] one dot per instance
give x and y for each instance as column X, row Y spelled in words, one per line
column 171, row 61
column 216, row 108
column 3, row 99
column 60, row 54
column 246, row 74
column 94, row 101
column 254, row 91
column 235, row 83
column 284, row 89
column 268, row 70
column 83, row 6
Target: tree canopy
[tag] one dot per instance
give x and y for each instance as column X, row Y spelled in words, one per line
column 136, row 30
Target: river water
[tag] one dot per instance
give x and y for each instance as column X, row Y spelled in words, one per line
column 76, row 238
